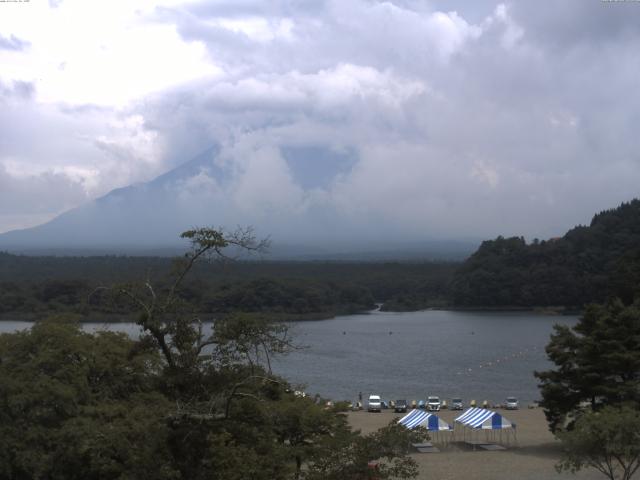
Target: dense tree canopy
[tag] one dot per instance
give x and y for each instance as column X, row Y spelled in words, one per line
column 37, row 286
column 607, row 440
column 597, row 362
column 74, row 405
column 588, row 264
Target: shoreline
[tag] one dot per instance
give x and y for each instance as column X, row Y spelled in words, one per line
column 290, row 317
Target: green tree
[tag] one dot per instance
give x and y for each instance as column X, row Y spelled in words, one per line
column 235, row 419
column 607, row 440
column 598, row 361
column 184, row 401
column 80, row 406
column 351, row 460
column 164, row 316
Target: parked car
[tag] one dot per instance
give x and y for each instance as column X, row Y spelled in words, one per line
column 511, row 404
column 374, row 404
column 456, row 404
column 433, row 404
column 401, row 406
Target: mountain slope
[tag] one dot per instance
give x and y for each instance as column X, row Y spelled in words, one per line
column 147, row 218
column 138, row 215
column 588, row 264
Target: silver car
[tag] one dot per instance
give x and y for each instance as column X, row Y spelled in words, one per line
column 456, row 404
column 511, row 403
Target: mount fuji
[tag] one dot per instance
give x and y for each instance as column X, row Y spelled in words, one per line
column 147, row 218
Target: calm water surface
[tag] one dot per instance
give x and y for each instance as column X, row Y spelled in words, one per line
column 411, row 355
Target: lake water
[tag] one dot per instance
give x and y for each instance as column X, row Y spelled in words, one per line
column 475, row 355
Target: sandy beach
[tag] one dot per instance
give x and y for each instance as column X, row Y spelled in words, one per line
column 532, row 458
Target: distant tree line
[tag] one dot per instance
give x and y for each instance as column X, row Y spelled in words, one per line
column 588, row 264
column 287, row 290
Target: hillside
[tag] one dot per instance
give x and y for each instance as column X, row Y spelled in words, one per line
column 588, row 264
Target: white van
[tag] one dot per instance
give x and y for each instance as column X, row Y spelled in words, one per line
column 433, row 404
column 374, row 404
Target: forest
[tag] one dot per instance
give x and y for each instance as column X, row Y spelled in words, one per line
column 588, row 264
column 32, row 286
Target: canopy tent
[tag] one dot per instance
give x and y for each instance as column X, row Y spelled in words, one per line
column 431, row 422
column 482, row 419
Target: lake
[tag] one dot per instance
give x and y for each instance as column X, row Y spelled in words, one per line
column 475, row 355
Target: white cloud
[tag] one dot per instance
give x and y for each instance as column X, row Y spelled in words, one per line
column 109, row 53
column 27, row 199
column 462, row 118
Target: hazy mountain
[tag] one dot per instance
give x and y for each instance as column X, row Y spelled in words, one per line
column 147, row 218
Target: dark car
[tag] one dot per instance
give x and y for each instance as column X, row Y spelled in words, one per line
column 456, row 404
column 401, row 406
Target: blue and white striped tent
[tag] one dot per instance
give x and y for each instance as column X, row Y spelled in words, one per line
column 477, row 420
column 481, row 418
column 428, row 420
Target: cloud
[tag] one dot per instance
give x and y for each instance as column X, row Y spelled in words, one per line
column 572, row 23
column 43, row 193
column 47, row 150
column 13, row 43
column 338, row 117
column 18, row 89
column 471, row 129
column 30, row 199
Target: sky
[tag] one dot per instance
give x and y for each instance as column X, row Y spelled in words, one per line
column 425, row 119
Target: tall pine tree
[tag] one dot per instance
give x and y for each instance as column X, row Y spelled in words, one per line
column 598, row 362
